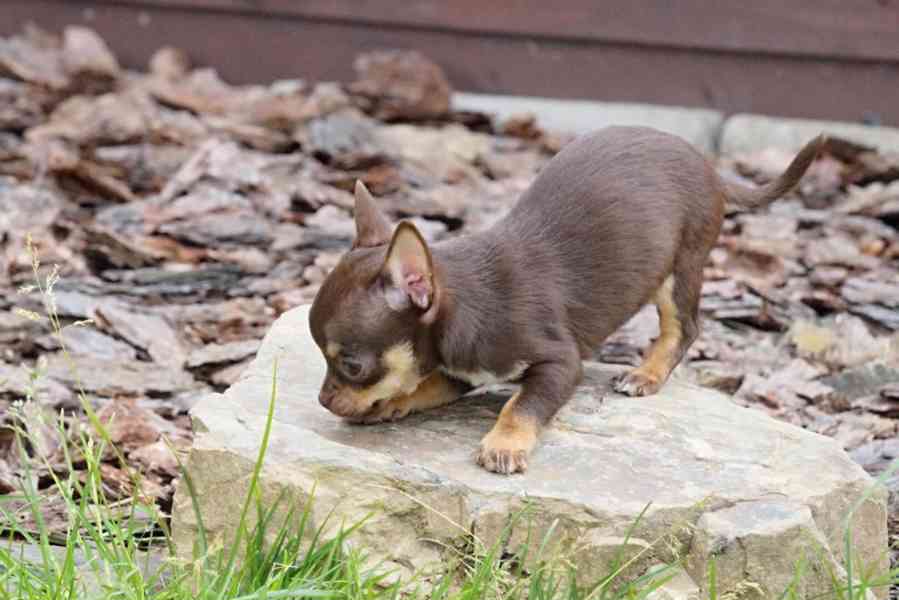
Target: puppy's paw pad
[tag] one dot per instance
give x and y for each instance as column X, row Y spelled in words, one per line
column 636, row 383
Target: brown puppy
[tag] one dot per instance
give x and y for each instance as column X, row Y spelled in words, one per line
column 619, row 218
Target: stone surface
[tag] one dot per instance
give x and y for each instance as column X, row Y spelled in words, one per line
column 679, row 586
column 745, row 483
column 218, row 354
column 864, row 380
column 110, row 378
column 698, row 126
column 753, row 541
column 753, row 133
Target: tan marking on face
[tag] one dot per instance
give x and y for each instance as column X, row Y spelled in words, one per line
column 436, row 390
column 402, row 378
column 509, row 444
column 663, row 354
column 332, row 349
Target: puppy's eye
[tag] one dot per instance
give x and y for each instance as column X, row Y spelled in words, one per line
column 351, row 367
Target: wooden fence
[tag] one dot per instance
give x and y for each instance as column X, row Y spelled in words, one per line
column 835, row 59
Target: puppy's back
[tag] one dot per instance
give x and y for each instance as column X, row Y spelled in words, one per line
column 616, row 170
column 612, row 210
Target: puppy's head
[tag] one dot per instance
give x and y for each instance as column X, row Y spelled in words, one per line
column 372, row 314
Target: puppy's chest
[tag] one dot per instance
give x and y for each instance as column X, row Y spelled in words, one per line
column 482, row 377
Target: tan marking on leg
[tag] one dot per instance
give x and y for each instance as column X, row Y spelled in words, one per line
column 507, row 447
column 333, row 349
column 663, row 354
column 434, row 391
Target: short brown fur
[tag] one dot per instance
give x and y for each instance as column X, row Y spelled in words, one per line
column 619, row 218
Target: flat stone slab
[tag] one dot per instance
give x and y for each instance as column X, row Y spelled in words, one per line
column 723, row 480
column 698, row 126
column 751, row 133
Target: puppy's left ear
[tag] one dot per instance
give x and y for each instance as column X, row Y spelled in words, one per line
column 409, row 269
column 372, row 227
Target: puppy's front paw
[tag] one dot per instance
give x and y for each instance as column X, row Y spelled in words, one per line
column 637, row 383
column 505, row 452
column 392, row 409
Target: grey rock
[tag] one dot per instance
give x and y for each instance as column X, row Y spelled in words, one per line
column 237, row 227
column 87, row 341
column 75, row 304
column 887, row 317
column 155, row 281
column 442, row 152
column 697, row 126
column 346, row 139
column 148, row 166
column 222, row 161
column 97, row 120
column 334, row 221
column 18, row 332
column 28, row 207
column 877, row 455
column 689, row 451
column 203, row 199
column 113, row 377
column 25, row 58
column 837, row 250
column 150, row 332
column 841, row 342
column 18, row 110
column 679, row 586
column 751, row 133
column 219, row 354
column 864, row 380
column 16, row 384
column 756, row 545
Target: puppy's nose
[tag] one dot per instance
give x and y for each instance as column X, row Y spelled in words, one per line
column 326, row 397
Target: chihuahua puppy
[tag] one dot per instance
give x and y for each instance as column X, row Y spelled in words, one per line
column 619, row 218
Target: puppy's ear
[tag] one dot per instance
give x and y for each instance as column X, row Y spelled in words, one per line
column 372, row 227
column 409, row 270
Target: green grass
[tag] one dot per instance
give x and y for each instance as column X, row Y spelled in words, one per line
column 122, row 549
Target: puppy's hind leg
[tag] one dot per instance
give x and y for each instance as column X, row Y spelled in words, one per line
column 677, row 303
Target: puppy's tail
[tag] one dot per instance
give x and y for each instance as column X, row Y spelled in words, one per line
column 768, row 193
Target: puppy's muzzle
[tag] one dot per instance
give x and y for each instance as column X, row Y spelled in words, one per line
column 340, row 401
column 326, row 398
column 327, row 394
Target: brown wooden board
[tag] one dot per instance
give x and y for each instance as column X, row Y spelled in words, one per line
column 271, row 39
column 858, row 29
